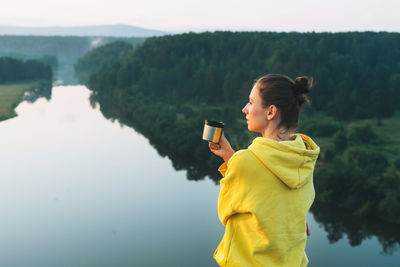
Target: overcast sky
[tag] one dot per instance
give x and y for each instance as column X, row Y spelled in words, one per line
column 201, row 15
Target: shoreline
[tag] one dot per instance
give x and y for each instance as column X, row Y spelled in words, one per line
column 11, row 94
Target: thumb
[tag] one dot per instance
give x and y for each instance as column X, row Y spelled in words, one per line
column 223, row 138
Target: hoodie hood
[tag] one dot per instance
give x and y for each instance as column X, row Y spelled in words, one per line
column 291, row 161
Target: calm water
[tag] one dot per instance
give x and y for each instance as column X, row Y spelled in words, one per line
column 79, row 190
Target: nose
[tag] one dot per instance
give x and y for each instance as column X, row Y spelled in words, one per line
column 244, row 110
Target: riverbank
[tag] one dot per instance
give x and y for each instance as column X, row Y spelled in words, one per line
column 385, row 135
column 11, row 95
column 359, row 168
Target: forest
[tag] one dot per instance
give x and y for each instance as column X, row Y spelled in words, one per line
column 96, row 59
column 15, row 70
column 166, row 88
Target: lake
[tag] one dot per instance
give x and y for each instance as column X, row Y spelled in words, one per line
column 77, row 189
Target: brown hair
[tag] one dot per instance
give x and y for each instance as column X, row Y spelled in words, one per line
column 287, row 95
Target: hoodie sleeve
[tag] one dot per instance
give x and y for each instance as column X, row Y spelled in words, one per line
column 233, row 191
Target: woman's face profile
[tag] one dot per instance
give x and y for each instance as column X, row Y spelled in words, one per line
column 256, row 113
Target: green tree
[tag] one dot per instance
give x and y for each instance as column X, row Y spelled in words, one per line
column 340, row 141
column 380, row 104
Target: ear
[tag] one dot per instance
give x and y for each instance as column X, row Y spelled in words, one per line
column 271, row 112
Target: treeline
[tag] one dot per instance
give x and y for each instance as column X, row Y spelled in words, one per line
column 167, row 87
column 14, row 70
column 352, row 70
column 100, row 58
column 67, row 49
column 49, row 59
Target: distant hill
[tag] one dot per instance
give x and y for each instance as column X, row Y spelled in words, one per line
column 100, row 30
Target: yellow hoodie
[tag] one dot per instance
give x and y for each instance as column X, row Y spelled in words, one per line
column 266, row 192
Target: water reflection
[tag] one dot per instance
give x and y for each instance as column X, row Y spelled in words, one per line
column 195, row 170
column 338, row 222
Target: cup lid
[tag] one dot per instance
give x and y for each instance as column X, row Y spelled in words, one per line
column 219, row 124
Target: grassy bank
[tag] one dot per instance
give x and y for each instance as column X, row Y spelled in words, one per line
column 10, row 96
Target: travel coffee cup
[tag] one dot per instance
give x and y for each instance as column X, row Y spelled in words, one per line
column 212, row 131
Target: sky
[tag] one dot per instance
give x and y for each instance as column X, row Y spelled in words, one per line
column 208, row 15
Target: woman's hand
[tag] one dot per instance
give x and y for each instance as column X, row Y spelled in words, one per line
column 223, row 149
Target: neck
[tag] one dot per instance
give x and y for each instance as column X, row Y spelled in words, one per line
column 276, row 134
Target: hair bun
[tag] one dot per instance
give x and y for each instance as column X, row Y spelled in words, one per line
column 303, row 85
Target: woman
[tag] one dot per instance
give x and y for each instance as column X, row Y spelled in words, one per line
column 267, row 189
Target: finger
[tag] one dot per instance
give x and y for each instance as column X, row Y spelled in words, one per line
column 214, row 146
column 223, row 138
column 211, row 145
